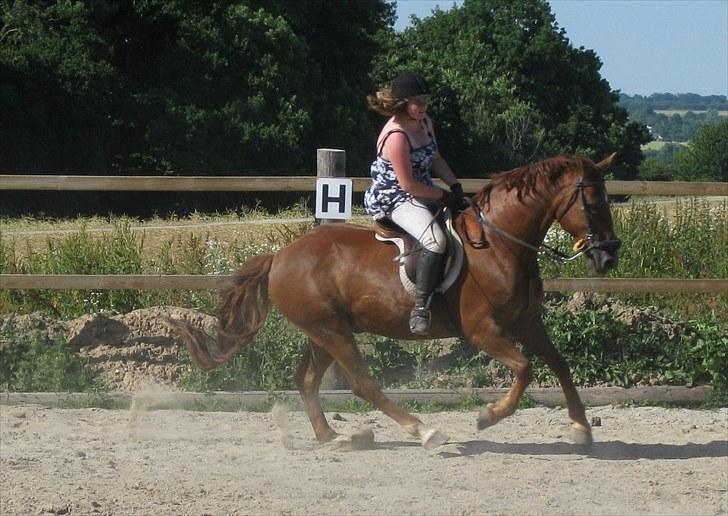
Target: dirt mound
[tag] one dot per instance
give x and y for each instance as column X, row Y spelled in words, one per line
column 644, row 317
column 130, row 350
column 123, row 351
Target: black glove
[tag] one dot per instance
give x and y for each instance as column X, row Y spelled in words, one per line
column 453, row 202
column 457, row 189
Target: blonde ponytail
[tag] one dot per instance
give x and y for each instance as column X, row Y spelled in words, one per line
column 384, row 103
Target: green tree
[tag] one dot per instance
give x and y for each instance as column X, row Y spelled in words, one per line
column 182, row 87
column 706, row 156
column 154, row 86
column 211, row 88
column 179, row 86
column 56, row 87
column 342, row 38
column 510, row 87
column 654, row 169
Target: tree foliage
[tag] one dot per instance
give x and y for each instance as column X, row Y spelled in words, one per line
column 55, row 88
column 182, row 86
column 509, row 87
column 674, row 127
column 254, row 86
column 706, row 156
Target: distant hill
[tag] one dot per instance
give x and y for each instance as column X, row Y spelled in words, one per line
column 674, row 117
column 670, row 102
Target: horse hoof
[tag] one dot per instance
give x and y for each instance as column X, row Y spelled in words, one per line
column 486, row 418
column 363, row 440
column 581, row 435
column 432, row 439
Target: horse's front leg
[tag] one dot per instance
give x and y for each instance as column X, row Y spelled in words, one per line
column 534, row 336
column 495, row 344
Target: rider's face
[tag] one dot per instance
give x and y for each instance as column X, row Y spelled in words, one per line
column 417, row 106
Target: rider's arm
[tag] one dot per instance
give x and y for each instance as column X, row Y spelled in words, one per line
column 397, row 151
column 443, row 170
column 439, row 166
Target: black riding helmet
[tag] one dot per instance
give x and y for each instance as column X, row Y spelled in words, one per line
column 409, row 85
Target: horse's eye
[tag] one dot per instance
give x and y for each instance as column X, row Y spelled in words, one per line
column 592, row 207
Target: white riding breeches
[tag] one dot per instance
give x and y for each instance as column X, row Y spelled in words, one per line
column 417, row 220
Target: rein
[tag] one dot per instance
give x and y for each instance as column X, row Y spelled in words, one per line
column 581, row 246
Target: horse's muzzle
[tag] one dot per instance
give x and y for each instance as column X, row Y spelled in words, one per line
column 603, row 255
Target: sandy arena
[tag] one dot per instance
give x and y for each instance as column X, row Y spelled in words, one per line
column 173, row 462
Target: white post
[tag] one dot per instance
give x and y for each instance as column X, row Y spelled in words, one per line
column 330, row 163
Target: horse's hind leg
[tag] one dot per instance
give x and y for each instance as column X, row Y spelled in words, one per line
column 343, row 348
column 311, row 371
column 535, row 337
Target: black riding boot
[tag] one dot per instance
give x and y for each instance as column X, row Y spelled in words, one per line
column 428, row 274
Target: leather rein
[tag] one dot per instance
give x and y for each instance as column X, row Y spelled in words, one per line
column 581, row 246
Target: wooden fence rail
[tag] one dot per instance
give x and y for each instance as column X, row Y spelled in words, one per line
column 298, row 184
column 193, row 282
column 308, row 184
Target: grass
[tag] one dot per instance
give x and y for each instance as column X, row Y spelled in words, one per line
column 156, row 235
column 684, row 239
column 32, row 235
column 348, row 406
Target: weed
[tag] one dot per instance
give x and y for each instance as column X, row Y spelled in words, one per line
column 268, row 363
column 685, row 239
column 30, row 364
column 349, row 405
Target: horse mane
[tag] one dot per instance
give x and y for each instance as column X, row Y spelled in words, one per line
column 525, row 179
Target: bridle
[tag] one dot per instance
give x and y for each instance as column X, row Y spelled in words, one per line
column 589, row 242
column 581, row 246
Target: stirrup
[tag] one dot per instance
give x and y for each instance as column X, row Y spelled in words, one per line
column 419, row 322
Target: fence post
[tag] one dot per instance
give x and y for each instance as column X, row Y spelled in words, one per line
column 331, row 163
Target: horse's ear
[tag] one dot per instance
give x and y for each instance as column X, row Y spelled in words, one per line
column 605, row 163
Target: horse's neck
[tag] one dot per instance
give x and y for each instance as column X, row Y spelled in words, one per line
column 527, row 219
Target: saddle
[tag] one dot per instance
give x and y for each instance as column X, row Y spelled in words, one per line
column 409, row 252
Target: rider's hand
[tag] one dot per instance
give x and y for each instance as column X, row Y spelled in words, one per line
column 457, row 189
column 453, row 202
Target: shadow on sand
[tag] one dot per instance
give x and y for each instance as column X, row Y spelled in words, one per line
column 607, row 450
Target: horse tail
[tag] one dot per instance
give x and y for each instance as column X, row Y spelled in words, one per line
column 243, row 311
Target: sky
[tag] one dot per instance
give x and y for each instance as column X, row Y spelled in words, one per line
column 646, row 46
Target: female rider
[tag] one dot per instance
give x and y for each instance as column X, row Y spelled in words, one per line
column 402, row 188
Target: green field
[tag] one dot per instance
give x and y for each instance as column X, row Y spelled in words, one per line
column 683, row 112
column 655, row 146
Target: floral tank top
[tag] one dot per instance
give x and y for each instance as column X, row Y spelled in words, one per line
column 385, row 193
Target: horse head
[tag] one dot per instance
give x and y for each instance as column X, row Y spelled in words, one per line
column 582, row 209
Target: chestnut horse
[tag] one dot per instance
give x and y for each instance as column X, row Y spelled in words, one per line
column 338, row 280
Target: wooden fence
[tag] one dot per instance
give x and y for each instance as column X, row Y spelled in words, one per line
column 308, row 184
column 300, row 184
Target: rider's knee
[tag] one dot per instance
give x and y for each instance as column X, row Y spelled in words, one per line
column 435, row 242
